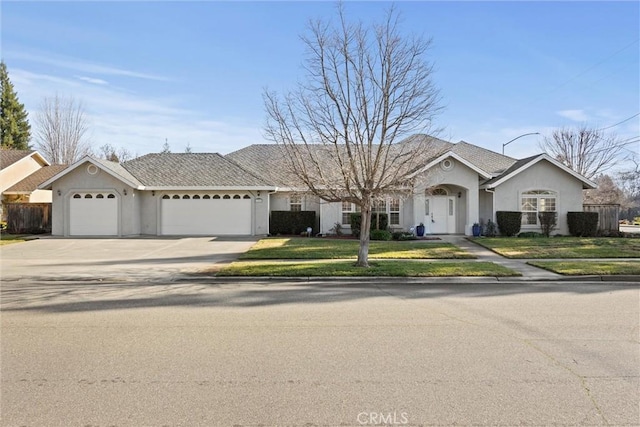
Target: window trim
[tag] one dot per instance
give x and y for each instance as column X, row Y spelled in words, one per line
column 295, row 200
column 537, row 194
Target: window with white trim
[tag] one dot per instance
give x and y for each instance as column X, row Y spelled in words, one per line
column 535, row 201
column 295, row 203
column 347, row 209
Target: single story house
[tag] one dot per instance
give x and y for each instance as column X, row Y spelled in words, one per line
column 211, row 194
column 21, row 172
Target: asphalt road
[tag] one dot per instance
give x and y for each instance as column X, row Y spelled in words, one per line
column 104, row 353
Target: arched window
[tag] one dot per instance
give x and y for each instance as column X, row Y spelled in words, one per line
column 534, row 201
column 99, row 196
column 88, row 196
column 206, row 196
column 77, row 196
column 246, row 196
column 216, row 196
column 175, row 196
column 186, row 196
column 236, row 197
column 166, row 197
column 439, row 192
column 196, row 197
column 226, row 196
column 111, row 196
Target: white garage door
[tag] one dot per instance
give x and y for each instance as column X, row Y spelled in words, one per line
column 205, row 214
column 93, row 214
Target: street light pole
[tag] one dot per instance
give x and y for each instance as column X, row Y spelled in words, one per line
column 518, row 137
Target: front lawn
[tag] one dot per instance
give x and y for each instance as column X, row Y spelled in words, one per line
column 562, row 247
column 378, row 268
column 6, row 239
column 326, row 248
column 581, row 268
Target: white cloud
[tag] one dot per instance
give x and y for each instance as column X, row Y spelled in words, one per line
column 92, row 80
column 80, row 65
column 575, row 115
column 140, row 123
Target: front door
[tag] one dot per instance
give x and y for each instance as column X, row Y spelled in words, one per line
column 440, row 214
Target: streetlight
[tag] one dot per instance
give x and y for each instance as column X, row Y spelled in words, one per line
column 518, row 137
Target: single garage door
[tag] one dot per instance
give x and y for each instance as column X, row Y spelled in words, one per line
column 93, row 214
column 205, row 214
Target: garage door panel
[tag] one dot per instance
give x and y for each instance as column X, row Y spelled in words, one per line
column 93, row 216
column 205, row 216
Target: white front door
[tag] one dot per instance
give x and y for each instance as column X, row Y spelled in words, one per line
column 440, row 214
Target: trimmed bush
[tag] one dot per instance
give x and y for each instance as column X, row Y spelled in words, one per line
column 509, row 222
column 356, row 221
column 582, row 224
column 380, row 235
column 490, row 230
column 548, row 221
column 403, row 235
column 291, row 222
column 530, row 234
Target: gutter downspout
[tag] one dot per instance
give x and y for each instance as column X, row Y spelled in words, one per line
column 493, row 202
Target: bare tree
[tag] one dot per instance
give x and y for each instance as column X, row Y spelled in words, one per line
column 587, row 151
column 118, row 155
column 365, row 89
column 61, row 127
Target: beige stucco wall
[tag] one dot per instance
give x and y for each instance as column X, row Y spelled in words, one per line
column 18, row 171
column 542, row 176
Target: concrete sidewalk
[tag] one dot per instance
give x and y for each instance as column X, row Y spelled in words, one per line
column 529, row 272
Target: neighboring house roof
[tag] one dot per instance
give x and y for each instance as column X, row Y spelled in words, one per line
column 9, row 157
column 191, row 170
column 31, row 182
column 267, row 161
column 524, row 164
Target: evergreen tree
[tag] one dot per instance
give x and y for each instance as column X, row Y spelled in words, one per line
column 15, row 131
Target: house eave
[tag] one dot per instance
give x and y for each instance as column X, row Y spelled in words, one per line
column 209, row 188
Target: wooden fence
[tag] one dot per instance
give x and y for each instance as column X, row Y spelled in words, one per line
column 608, row 216
column 24, row 218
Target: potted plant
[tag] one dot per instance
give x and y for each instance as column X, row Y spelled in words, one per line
column 476, row 229
column 420, row 230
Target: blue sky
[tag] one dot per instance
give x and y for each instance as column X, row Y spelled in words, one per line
column 194, row 72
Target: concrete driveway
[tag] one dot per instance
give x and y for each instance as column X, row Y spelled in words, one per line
column 122, row 259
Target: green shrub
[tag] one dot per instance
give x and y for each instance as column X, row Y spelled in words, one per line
column 548, row 221
column 356, row 221
column 291, row 222
column 403, row 235
column 490, row 230
column 509, row 222
column 582, row 224
column 380, row 235
column 530, row 234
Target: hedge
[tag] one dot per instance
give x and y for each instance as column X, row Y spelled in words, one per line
column 582, row 224
column 291, row 222
column 509, row 222
column 356, row 220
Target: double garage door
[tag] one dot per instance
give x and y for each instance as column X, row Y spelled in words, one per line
column 205, row 214
column 96, row 214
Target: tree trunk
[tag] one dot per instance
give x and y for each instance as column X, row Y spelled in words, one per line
column 365, row 226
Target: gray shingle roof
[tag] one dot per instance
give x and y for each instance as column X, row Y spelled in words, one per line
column 118, row 170
column 487, row 160
column 191, row 170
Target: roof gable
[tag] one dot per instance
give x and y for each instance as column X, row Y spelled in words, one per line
column 524, row 164
column 9, row 157
column 31, row 182
column 112, row 168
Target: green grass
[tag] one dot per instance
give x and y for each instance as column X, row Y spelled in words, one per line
column 6, row 239
column 562, row 247
column 377, row 268
column 581, row 268
column 315, row 248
